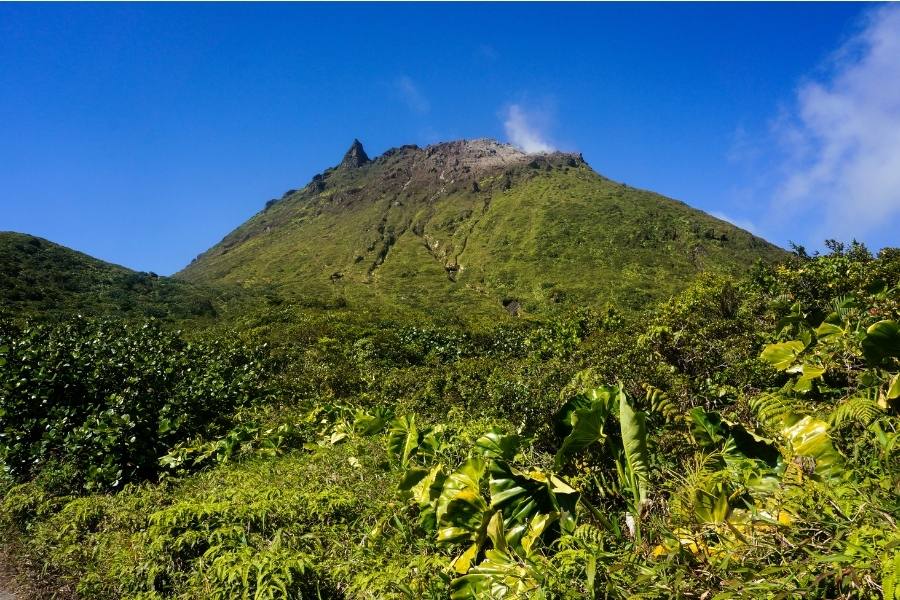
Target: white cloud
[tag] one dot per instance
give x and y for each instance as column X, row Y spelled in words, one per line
column 842, row 137
column 523, row 132
column 411, row 95
column 742, row 223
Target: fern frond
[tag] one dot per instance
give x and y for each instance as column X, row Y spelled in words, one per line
column 843, row 305
column 771, row 409
column 793, row 474
column 589, row 534
column 660, row 403
column 700, row 494
column 862, row 409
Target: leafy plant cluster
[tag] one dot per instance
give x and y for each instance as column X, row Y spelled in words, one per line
column 104, row 400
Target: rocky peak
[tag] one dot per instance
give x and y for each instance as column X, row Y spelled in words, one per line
column 356, row 156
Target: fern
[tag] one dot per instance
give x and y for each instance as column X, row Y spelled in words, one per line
column 273, row 572
column 660, row 403
column 772, row 409
column 843, row 306
column 861, row 409
column 702, row 492
column 589, row 535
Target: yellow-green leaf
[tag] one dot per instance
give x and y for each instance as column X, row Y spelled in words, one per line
column 808, row 374
column 495, row 531
column 463, row 562
column 894, row 388
column 781, row 356
column 809, row 437
column 827, row 330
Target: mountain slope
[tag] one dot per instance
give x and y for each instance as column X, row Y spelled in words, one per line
column 40, row 277
column 470, row 227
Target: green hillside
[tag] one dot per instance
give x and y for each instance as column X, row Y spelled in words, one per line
column 38, row 277
column 471, row 227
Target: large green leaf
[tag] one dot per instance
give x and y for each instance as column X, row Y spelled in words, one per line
column 403, row 439
column 826, row 330
column 371, row 423
column 709, row 501
column 496, row 533
column 808, row 374
column 710, row 430
column 523, row 495
column 495, row 444
column 500, row 575
column 424, row 487
column 463, row 517
column 893, row 390
column 460, row 508
column 751, row 445
column 583, row 400
column 882, row 341
column 634, row 446
column 782, row 355
column 808, row 436
column 463, row 562
column 411, row 478
column 587, row 426
column 707, row 428
column 461, row 513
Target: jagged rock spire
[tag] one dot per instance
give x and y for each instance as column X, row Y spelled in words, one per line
column 356, row 156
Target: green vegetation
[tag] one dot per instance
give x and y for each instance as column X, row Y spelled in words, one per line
column 445, row 232
column 738, row 439
column 44, row 279
column 105, row 399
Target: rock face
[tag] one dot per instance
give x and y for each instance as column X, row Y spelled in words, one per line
column 356, row 156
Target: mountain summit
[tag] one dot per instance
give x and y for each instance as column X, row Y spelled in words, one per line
column 356, row 156
column 475, row 227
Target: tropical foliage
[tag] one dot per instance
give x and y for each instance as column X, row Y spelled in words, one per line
column 738, row 440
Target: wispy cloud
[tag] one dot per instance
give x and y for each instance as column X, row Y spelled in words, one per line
column 487, row 52
column 745, row 224
column 744, row 148
column 841, row 136
column 411, row 95
column 524, row 131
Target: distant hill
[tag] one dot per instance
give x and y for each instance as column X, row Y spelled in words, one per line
column 40, row 277
column 475, row 228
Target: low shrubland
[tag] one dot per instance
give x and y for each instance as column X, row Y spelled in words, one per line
column 738, row 440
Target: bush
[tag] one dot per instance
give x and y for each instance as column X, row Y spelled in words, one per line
column 111, row 398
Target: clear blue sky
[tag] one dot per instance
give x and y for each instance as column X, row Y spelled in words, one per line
column 141, row 134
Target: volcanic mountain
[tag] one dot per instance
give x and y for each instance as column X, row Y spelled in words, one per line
column 474, row 227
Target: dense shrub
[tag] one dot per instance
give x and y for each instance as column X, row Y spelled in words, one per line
column 110, row 398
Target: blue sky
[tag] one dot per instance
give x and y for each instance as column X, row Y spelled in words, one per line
column 141, row 134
